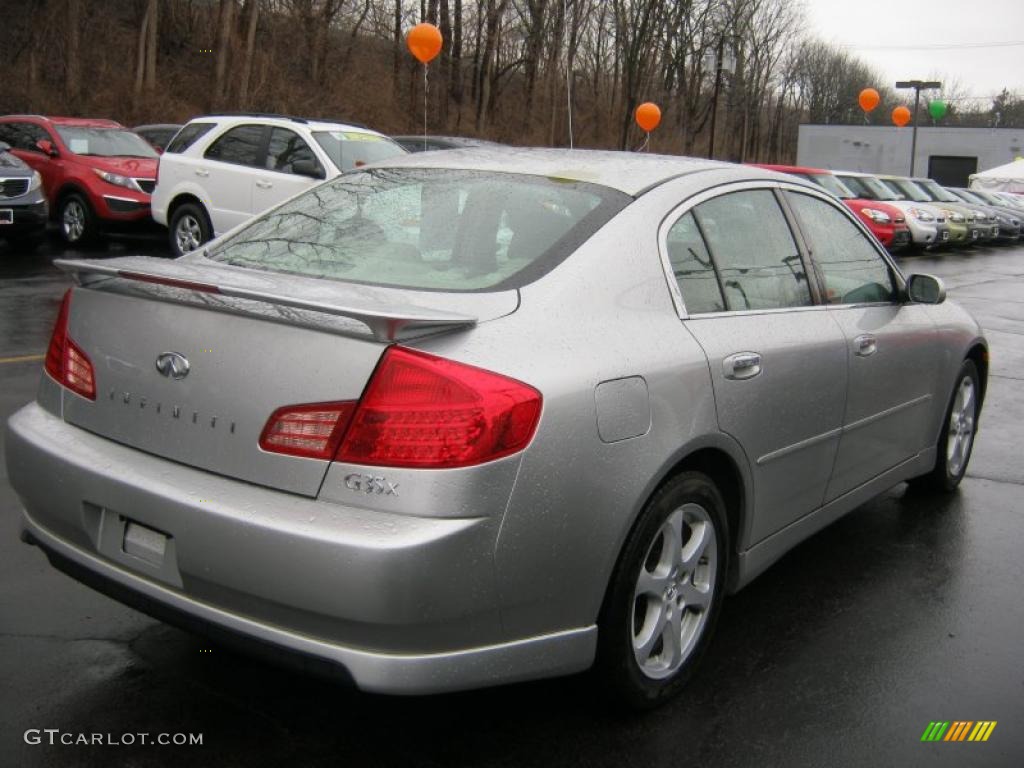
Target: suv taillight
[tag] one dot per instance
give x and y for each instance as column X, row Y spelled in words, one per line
column 65, row 360
column 418, row 411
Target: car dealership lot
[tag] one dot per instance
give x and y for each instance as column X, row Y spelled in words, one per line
column 905, row 612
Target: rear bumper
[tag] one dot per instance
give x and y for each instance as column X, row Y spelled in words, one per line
column 402, row 604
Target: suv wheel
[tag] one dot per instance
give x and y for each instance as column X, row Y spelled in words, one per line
column 190, row 228
column 666, row 593
column 77, row 221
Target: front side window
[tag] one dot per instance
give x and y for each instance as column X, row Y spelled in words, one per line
column 287, row 148
column 852, row 270
column 23, row 135
column 104, row 142
column 692, row 267
column 425, row 228
column 242, row 146
column 758, row 261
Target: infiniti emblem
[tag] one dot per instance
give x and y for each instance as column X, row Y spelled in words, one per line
column 172, row 365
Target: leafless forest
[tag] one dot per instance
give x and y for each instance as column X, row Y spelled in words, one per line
column 507, row 71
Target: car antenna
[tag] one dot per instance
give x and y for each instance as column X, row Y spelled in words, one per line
column 568, row 69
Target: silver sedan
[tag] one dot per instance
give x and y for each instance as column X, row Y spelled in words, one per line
column 470, row 418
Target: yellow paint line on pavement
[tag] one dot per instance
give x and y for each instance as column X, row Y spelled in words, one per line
column 22, row 359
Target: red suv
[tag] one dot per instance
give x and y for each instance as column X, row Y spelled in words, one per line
column 96, row 173
column 886, row 222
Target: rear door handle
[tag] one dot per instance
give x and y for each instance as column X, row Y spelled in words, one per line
column 742, row 365
column 865, row 345
column 202, row 172
column 264, row 184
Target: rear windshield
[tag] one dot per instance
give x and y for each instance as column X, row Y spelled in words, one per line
column 426, row 229
column 104, row 142
column 354, row 149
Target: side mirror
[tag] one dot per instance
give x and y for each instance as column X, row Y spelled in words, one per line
column 308, row 168
column 4, row 146
column 46, row 146
column 926, row 289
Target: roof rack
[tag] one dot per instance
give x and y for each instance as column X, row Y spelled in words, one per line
column 293, row 118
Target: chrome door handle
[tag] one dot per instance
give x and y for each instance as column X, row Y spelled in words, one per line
column 264, row 184
column 202, row 173
column 742, row 365
column 865, row 345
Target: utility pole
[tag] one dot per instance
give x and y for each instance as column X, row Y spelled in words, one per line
column 918, row 86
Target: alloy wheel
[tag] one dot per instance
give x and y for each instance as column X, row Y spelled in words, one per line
column 961, row 427
column 674, row 591
column 188, row 233
column 73, row 220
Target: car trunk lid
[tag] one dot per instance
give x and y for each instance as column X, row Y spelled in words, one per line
column 253, row 344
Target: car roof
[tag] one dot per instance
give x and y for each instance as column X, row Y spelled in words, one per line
column 791, row 168
column 157, row 126
column 631, row 172
column 286, row 121
column 84, row 122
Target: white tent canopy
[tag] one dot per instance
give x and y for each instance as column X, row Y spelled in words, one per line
column 1005, row 178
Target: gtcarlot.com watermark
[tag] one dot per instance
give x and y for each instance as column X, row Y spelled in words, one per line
column 55, row 737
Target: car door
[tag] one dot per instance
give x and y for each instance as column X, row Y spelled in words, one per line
column 777, row 360
column 891, row 345
column 228, row 173
column 280, row 181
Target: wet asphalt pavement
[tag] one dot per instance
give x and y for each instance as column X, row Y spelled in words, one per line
column 908, row 610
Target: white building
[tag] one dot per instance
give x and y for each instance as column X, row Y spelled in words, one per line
column 948, row 155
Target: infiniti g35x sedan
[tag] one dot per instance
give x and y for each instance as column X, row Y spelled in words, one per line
column 476, row 417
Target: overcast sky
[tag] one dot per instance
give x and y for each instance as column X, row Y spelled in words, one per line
column 900, row 38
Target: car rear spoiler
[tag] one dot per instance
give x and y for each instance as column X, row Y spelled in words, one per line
column 387, row 321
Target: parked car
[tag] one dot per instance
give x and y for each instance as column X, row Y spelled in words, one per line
column 159, row 135
column 928, row 224
column 220, row 170
column 977, row 216
column 23, row 210
column 965, row 225
column 96, row 173
column 471, row 418
column 1008, row 219
column 430, row 143
column 886, row 222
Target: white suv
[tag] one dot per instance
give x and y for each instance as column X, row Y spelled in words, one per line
column 220, row 170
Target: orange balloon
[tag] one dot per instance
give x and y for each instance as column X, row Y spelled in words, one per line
column 901, row 116
column 424, row 42
column 647, row 116
column 869, row 99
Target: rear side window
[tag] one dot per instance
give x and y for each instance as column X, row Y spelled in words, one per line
column 188, row 136
column 692, row 267
column 853, row 271
column 242, row 146
column 757, row 259
column 426, row 229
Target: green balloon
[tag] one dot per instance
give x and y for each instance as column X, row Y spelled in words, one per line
column 937, row 109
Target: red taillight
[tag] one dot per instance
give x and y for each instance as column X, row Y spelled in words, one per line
column 418, row 411
column 65, row 360
column 313, row 430
column 425, row 411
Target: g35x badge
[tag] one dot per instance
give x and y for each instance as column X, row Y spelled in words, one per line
column 371, row 484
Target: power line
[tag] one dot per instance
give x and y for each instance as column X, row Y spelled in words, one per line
column 934, row 46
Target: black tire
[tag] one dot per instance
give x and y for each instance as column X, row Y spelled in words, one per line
column 76, row 220
column 625, row 615
column 189, row 222
column 945, row 476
